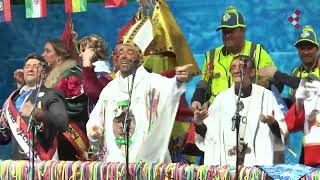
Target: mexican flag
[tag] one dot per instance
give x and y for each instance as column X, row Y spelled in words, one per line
column 5, row 11
column 74, row 6
column 36, row 8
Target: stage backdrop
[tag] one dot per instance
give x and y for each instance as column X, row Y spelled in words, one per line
column 267, row 23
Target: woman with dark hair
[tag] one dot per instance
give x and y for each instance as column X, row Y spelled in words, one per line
column 65, row 75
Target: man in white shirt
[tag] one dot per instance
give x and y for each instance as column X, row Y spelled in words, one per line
column 261, row 125
column 149, row 101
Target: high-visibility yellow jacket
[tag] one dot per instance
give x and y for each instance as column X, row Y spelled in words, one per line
column 216, row 68
column 300, row 72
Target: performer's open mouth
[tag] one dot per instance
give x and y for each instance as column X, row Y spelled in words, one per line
column 124, row 62
column 31, row 74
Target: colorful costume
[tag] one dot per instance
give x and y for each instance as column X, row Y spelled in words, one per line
column 168, row 50
column 154, row 103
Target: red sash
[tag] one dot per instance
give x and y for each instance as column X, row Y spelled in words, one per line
column 12, row 115
column 77, row 138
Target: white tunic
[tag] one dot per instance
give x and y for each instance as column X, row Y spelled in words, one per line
column 220, row 138
column 154, row 104
column 312, row 120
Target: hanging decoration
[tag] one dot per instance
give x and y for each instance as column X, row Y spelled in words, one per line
column 294, row 19
column 5, row 11
column 74, row 6
column 114, row 3
column 36, row 8
column 69, row 37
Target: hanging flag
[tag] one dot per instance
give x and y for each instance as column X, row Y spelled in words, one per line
column 294, row 19
column 5, row 11
column 69, row 37
column 114, row 3
column 36, row 8
column 74, row 6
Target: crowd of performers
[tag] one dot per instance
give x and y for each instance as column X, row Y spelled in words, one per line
column 79, row 100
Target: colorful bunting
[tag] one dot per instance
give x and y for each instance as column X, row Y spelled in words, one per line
column 5, row 11
column 36, row 8
column 74, row 6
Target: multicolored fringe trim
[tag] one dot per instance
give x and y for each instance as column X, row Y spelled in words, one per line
column 252, row 173
column 96, row 170
column 313, row 175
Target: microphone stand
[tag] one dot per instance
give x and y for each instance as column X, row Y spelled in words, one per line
column 127, row 124
column 31, row 126
column 236, row 123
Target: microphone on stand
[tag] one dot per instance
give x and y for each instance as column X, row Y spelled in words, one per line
column 45, row 67
column 31, row 124
column 242, row 72
column 38, row 86
column 127, row 121
column 244, row 66
column 136, row 64
column 237, row 117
